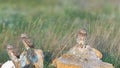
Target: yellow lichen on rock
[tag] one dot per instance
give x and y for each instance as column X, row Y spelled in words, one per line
column 59, row 64
column 98, row 53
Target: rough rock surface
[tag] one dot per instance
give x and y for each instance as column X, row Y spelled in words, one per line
column 83, row 57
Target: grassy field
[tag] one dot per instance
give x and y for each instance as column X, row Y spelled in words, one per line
column 52, row 24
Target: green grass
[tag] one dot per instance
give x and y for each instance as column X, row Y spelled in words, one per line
column 53, row 25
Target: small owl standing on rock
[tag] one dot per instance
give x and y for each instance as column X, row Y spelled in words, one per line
column 81, row 55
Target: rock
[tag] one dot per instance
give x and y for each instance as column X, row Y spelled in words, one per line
column 8, row 64
column 59, row 64
column 105, row 65
column 78, row 57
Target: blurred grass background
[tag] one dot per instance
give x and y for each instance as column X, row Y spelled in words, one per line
column 52, row 24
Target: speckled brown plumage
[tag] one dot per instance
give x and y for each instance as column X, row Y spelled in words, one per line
column 28, row 41
column 13, row 50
